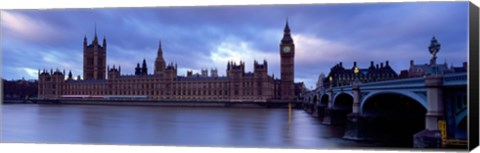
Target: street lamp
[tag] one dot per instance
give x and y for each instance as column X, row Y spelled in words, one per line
column 356, row 71
column 331, row 80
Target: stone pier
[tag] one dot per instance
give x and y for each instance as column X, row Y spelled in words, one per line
column 356, row 129
column 430, row 137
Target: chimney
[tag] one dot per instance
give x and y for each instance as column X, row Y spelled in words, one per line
column 465, row 65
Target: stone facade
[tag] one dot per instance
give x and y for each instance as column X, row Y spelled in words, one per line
column 19, row 89
column 165, row 84
column 419, row 70
column 340, row 76
column 94, row 59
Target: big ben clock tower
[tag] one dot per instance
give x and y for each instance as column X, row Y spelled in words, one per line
column 287, row 54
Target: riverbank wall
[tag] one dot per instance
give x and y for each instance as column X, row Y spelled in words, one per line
column 176, row 103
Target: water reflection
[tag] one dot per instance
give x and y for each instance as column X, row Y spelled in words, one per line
column 179, row 126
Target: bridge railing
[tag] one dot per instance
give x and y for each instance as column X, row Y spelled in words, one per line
column 395, row 82
column 416, row 82
column 449, row 79
column 455, row 79
column 410, row 82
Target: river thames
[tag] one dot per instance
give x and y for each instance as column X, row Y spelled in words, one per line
column 169, row 126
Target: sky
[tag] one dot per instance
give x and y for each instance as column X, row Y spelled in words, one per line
column 209, row 36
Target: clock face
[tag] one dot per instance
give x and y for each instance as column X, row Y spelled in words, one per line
column 286, row 49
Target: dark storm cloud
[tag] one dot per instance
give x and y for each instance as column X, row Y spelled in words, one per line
column 206, row 37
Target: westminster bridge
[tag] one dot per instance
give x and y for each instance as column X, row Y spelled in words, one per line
column 430, row 110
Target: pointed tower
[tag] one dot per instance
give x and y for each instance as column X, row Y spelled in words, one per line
column 159, row 61
column 144, row 67
column 70, row 77
column 287, row 54
column 137, row 69
column 94, row 59
column 105, row 42
column 95, row 39
column 85, row 42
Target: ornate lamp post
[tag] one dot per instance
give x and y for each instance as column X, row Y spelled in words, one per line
column 434, row 48
column 430, row 137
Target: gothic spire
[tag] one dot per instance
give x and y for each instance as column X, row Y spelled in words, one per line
column 144, row 67
column 70, row 74
column 85, row 40
column 287, row 38
column 95, row 39
column 104, row 41
column 287, row 28
column 95, row 29
column 160, row 51
column 160, row 44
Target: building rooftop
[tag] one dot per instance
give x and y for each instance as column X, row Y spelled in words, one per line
column 199, row 78
column 86, row 81
column 426, row 68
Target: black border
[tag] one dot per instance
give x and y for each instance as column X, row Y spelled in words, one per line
column 473, row 77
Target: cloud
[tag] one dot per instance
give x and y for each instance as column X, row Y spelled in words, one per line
column 236, row 50
column 24, row 27
column 207, row 37
column 31, row 72
column 312, row 50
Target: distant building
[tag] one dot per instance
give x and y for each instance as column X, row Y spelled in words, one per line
column 340, row 76
column 300, row 89
column 321, row 79
column 19, row 89
column 165, row 84
column 432, row 67
column 424, row 69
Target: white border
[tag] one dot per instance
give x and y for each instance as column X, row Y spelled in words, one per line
column 46, row 4
column 74, row 148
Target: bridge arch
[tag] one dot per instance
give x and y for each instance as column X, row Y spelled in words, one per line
column 421, row 100
column 342, row 106
column 394, row 116
column 343, row 101
column 460, row 129
column 324, row 100
column 314, row 99
column 339, row 94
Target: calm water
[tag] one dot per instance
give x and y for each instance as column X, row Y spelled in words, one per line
column 168, row 126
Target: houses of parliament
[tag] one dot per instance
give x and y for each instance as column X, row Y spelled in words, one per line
column 164, row 84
